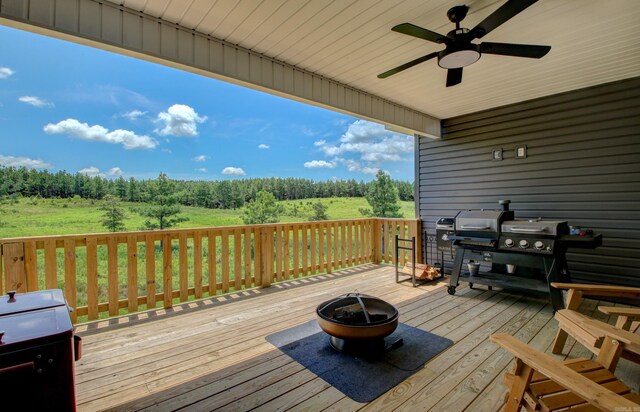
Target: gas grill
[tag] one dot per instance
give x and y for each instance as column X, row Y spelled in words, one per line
column 524, row 254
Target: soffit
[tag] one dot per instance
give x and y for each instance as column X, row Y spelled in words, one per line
column 593, row 42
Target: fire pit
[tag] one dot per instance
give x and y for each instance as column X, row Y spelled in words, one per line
column 358, row 323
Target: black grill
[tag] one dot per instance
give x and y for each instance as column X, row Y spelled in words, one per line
column 522, row 254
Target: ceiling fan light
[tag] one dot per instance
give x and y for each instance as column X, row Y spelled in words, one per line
column 455, row 59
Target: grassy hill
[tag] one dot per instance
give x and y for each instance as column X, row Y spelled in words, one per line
column 41, row 217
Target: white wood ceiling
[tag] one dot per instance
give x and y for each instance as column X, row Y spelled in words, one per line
column 350, row 41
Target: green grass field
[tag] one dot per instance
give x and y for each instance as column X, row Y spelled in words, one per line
column 80, row 216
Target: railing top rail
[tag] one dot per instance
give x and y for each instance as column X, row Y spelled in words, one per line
column 160, row 233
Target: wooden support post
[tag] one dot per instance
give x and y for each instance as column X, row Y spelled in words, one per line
column 14, row 271
column 266, row 255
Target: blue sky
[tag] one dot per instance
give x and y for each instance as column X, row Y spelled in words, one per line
column 69, row 107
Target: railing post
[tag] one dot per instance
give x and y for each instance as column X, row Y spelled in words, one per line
column 376, row 241
column 266, row 255
column 415, row 229
column 15, row 273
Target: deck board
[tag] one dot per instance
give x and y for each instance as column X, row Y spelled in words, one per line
column 212, row 354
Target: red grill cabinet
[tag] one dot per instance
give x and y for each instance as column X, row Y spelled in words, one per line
column 37, row 352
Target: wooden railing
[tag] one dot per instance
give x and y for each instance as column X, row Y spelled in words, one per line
column 105, row 275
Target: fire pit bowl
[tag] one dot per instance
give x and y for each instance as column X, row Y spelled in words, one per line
column 381, row 318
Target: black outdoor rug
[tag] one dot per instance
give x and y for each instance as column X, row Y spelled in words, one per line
column 362, row 380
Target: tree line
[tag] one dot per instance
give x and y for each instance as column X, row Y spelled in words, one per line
column 225, row 194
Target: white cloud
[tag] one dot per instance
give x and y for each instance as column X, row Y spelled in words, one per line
column 201, row 169
column 5, row 72
column 115, row 171
column 362, row 131
column 12, row 161
column 263, row 146
column 97, row 133
column 365, row 145
column 90, row 171
column 200, row 159
column 180, row 120
column 233, row 171
column 314, row 164
column 35, row 101
column 133, row 115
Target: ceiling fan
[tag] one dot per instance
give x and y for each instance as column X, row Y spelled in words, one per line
column 459, row 50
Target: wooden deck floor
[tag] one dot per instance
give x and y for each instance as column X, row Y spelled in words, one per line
column 212, row 354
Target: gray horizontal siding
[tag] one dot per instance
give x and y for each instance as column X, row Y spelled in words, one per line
column 583, row 166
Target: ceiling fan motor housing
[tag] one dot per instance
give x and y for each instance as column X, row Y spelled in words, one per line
column 458, row 55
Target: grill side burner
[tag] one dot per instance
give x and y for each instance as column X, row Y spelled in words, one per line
column 524, row 254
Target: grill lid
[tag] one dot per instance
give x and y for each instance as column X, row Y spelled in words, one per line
column 536, row 227
column 33, row 318
column 481, row 220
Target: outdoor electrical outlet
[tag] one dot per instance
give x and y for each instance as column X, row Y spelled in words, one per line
column 521, row 152
column 496, row 154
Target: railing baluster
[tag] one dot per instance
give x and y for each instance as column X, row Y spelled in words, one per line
column 224, row 239
column 350, row 254
column 321, row 246
column 150, row 264
column 167, row 271
column 279, row 274
column 257, row 261
column 112, row 275
column 183, row 267
column 247, row 258
column 132, row 274
column 305, row 250
column 50, row 264
column 213, row 263
column 287, row 255
column 296, row 252
column 237, row 259
column 197, row 264
column 70, row 276
column 30, row 266
column 92, row 278
column 313, row 229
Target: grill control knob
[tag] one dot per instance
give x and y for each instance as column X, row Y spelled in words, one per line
column 539, row 245
column 509, row 243
column 524, row 244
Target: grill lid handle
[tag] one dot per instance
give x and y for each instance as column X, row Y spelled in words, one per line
column 528, row 229
column 468, row 227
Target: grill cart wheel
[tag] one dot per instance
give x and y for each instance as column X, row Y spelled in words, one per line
column 451, row 290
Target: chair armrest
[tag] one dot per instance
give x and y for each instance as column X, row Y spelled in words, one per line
column 600, row 290
column 619, row 311
column 564, row 376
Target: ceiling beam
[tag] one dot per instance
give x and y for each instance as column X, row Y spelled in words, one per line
column 121, row 30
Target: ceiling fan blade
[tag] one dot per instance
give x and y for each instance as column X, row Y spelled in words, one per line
column 407, row 65
column 454, row 76
column 518, row 50
column 495, row 19
column 419, row 32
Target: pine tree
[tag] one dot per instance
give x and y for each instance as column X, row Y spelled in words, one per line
column 262, row 209
column 114, row 215
column 319, row 210
column 165, row 211
column 382, row 197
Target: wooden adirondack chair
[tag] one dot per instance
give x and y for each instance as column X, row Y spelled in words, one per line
column 541, row 383
column 628, row 318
